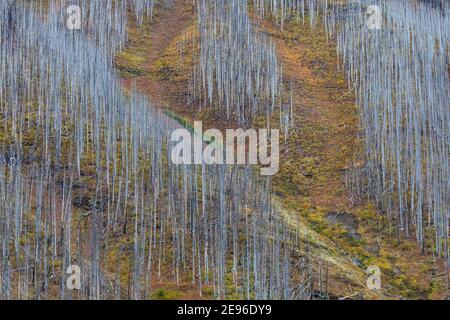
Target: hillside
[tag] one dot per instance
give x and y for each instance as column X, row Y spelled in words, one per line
column 87, row 178
column 323, row 145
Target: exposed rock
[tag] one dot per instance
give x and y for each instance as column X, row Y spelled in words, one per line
column 347, row 220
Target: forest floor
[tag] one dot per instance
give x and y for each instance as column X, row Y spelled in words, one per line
column 310, row 187
column 327, row 145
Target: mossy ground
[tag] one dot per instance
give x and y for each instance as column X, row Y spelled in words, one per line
column 310, row 185
column 323, row 144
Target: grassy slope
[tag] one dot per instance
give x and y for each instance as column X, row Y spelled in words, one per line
column 160, row 56
column 321, row 147
column 326, row 146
